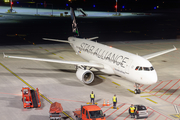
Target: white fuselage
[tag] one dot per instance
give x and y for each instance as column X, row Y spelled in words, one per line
column 115, row 61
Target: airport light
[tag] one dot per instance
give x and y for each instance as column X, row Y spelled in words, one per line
column 11, row 6
column 94, row 5
column 6, row 1
column 116, row 7
column 42, row 4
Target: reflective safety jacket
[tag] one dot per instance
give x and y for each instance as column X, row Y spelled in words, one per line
column 92, row 95
column 132, row 109
column 114, row 99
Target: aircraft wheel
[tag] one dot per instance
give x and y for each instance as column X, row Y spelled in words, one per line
column 135, row 91
column 139, row 91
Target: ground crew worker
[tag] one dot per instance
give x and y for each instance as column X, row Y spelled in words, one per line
column 92, row 96
column 132, row 110
column 114, row 101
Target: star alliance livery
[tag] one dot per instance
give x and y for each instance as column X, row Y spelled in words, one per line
column 106, row 59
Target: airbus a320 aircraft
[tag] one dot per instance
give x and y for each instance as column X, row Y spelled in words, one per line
column 106, row 59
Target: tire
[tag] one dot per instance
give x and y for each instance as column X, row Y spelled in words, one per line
column 136, row 116
column 135, row 91
column 139, row 91
column 77, row 118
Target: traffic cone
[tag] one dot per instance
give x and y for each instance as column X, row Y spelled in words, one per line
column 104, row 104
column 107, row 103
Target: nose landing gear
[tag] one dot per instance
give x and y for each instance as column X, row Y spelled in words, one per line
column 137, row 90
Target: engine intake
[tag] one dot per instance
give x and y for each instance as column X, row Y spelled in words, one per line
column 85, row 76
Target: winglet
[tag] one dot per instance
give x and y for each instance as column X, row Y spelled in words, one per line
column 4, row 55
column 174, row 47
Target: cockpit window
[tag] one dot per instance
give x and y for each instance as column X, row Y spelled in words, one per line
column 139, row 68
column 151, row 68
column 146, row 68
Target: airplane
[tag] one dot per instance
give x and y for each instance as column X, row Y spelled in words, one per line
column 106, row 59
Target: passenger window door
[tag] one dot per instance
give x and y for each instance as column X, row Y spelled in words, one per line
column 87, row 115
column 83, row 110
column 83, row 113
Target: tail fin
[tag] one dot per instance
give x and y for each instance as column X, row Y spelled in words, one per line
column 74, row 24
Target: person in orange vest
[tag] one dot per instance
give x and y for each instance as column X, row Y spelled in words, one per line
column 114, row 101
column 132, row 110
column 92, row 96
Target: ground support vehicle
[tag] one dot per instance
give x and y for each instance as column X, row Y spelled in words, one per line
column 55, row 111
column 140, row 111
column 30, row 98
column 89, row 112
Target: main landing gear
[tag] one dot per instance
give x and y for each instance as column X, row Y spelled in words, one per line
column 137, row 90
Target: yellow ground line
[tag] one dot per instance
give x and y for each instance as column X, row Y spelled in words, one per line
column 29, row 41
column 53, row 53
column 130, row 90
column 46, row 50
column 32, row 88
column 102, row 77
column 155, row 95
column 40, row 47
column 151, row 100
column 175, row 115
column 155, row 91
column 61, row 57
column 116, row 83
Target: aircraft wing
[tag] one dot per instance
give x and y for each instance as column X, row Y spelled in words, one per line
column 149, row 56
column 94, row 65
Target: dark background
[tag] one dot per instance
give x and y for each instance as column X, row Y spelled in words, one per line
column 102, row 5
column 162, row 24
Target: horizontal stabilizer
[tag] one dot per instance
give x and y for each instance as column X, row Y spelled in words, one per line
column 93, row 38
column 56, row 40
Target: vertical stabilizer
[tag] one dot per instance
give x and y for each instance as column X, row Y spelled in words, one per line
column 74, row 24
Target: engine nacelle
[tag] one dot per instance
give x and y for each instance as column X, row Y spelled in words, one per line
column 85, row 76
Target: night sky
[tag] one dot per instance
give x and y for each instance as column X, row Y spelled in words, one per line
column 102, row 5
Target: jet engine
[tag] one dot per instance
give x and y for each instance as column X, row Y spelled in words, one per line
column 85, row 76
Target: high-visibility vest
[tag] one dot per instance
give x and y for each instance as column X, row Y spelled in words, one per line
column 132, row 109
column 114, row 99
column 92, row 95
